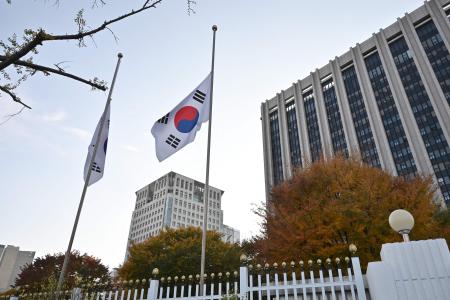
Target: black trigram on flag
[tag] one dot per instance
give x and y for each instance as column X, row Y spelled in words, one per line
column 96, row 168
column 164, row 119
column 199, row 96
column 173, row 141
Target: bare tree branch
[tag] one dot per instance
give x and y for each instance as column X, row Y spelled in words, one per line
column 56, row 71
column 114, row 35
column 58, row 65
column 95, row 4
column 41, row 36
column 9, row 117
column 13, row 96
column 145, row 4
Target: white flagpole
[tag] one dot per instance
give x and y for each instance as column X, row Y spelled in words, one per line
column 86, row 182
column 206, row 191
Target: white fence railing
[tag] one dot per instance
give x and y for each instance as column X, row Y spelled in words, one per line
column 316, row 281
column 301, row 286
column 333, row 280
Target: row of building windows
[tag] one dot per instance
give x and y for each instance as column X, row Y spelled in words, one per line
column 364, row 135
column 191, row 223
column 161, row 183
column 143, row 222
column 312, row 126
column 196, row 217
column 180, row 182
column 214, row 213
column 142, row 194
column 199, row 207
column 426, row 119
column 334, row 118
column 183, row 184
column 401, row 153
column 145, row 230
column 277, row 163
column 294, row 141
column 145, row 236
column 148, row 208
column 435, row 143
column 437, row 54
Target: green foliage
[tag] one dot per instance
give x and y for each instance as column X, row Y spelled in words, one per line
column 177, row 252
column 232, row 297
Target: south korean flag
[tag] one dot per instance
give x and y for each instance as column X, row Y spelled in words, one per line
column 99, row 162
column 178, row 128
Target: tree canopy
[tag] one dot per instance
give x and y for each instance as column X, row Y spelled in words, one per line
column 42, row 275
column 177, row 252
column 329, row 205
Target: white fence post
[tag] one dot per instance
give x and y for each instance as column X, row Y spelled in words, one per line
column 381, row 281
column 243, row 282
column 416, row 270
column 153, row 290
column 76, row 294
column 359, row 282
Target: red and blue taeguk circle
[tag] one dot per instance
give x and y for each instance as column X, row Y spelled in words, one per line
column 186, row 118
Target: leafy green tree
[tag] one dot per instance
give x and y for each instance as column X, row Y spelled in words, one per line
column 42, row 274
column 329, row 205
column 177, row 252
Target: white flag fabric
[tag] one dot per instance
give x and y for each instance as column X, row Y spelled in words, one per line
column 179, row 127
column 99, row 161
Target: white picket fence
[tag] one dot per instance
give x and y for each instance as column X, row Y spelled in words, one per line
column 413, row 270
column 313, row 281
column 304, row 281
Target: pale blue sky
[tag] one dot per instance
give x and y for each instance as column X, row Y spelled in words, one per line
column 262, row 47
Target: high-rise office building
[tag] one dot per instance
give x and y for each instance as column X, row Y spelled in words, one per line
column 387, row 100
column 11, row 262
column 176, row 201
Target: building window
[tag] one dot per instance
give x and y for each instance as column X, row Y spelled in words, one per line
column 437, row 54
column 429, row 127
column 334, row 118
column 277, row 163
column 367, row 147
column 401, row 152
column 294, row 140
column 312, row 126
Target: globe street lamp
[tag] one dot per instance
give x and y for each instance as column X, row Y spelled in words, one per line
column 402, row 222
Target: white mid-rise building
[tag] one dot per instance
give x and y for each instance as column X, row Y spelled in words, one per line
column 11, row 262
column 176, row 201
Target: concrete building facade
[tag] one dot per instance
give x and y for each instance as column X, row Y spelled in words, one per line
column 176, row 201
column 11, row 262
column 386, row 100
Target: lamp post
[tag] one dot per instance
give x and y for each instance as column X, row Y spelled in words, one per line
column 402, row 222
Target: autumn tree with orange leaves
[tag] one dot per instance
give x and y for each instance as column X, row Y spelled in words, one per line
column 329, row 205
column 42, row 274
